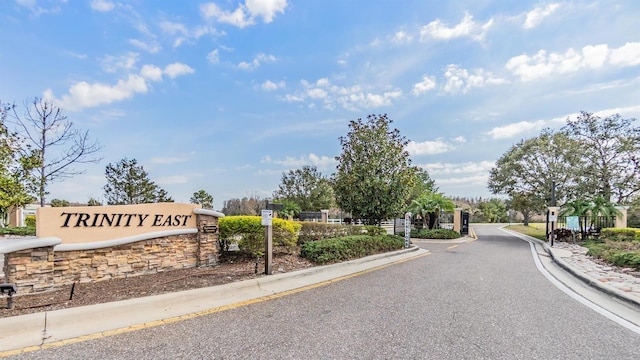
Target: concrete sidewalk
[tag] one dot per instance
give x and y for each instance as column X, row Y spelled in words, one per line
column 41, row 330
column 604, row 278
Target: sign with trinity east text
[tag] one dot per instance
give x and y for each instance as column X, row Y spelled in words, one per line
column 80, row 224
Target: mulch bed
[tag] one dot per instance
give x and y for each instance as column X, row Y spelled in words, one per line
column 232, row 267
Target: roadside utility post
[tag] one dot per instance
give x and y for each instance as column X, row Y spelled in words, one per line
column 407, row 229
column 267, row 219
column 553, row 218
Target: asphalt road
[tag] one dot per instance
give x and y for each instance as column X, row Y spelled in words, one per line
column 479, row 300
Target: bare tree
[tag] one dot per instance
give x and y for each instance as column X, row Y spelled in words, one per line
column 52, row 138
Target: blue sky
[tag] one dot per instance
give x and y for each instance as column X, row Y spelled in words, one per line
column 225, row 96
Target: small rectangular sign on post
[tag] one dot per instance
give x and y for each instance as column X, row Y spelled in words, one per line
column 407, row 229
column 573, row 223
column 267, row 220
column 553, row 213
column 267, row 217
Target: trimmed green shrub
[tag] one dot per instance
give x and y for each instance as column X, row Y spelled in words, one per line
column 626, row 259
column 618, row 234
column 619, row 253
column 314, row 231
column 30, row 221
column 349, row 247
column 433, row 234
column 18, row 231
column 248, row 233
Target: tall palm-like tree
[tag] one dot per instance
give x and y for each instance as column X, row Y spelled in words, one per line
column 588, row 211
column 428, row 206
column 601, row 207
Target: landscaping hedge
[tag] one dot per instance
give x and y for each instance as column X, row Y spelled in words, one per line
column 314, row 231
column 620, row 234
column 18, row 231
column 433, row 234
column 248, row 233
column 349, row 247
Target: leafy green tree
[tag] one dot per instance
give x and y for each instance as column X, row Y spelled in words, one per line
column 494, row 210
column 633, row 213
column 251, row 205
column 307, row 187
column 610, row 148
column 94, row 202
column 59, row 203
column 429, row 206
column 128, row 183
column 374, row 175
column 291, row 209
column 527, row 204
column 531, row 166
column 54, row 141
column 423, row 183
column 588, row 211
column 203, row 198
column 15, row 168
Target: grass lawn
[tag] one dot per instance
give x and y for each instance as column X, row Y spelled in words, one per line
column 536, row 230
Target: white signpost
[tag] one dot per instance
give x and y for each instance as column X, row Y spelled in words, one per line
column 267, row 220
column 407, row 229
column 553, row 219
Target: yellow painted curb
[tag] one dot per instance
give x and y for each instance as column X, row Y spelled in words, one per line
column 197, row 314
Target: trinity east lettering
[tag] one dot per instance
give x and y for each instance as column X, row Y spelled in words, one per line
column 122, row 220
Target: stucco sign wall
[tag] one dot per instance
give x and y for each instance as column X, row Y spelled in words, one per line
column 83, row 224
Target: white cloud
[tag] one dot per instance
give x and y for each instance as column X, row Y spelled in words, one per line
column 439, row 146
column 317, row 93
column 626, row 55
column 461, row 80
column 152, row 47
column 184, row 34
column 266, row 9
column 83, row 95
column 323, row 82
column 76, row 55
column 102, row 5
column 213, row 57
column 125, row 62
column 360, row 100
column 260, row 59
column 151, row 72
column 401, row 38
column 168, row 160
column 245, row 14
column 32, row 5
column 441, row 168
column 515, row 129
column 272, row 86
column 541, row 65
column 177, row 69
column 423, row 86
column 351, row 98
column 466, row 28
column 322, row 162
column 173, row 28
column 535, row 16
column 480, row 179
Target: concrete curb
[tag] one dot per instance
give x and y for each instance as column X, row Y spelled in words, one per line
column 40, row 330
column 460, row 240
column 609, row 290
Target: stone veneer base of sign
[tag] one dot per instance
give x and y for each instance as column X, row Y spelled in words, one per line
column 43, row 268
